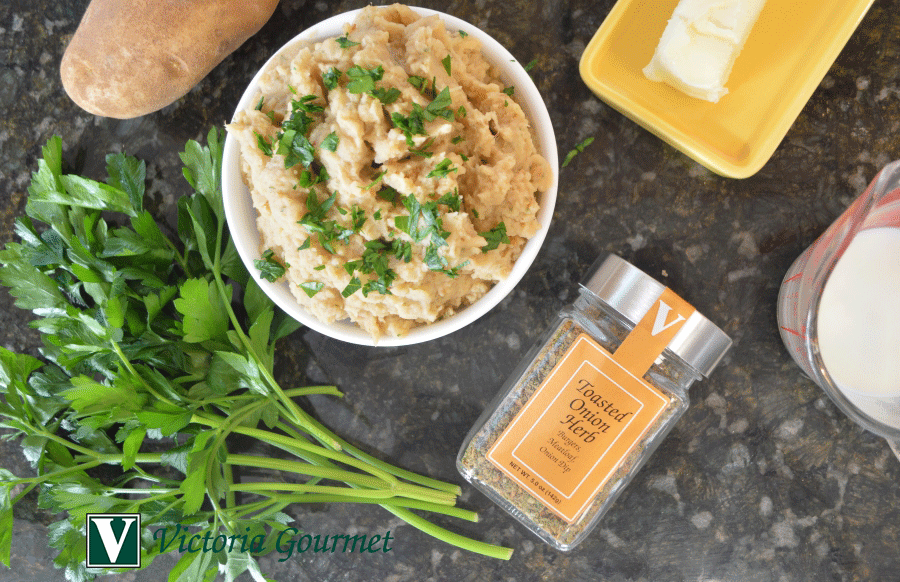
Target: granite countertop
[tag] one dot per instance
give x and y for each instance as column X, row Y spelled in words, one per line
column 763, row 479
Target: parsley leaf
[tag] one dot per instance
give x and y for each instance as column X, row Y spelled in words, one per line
column 577, row 150
column 269, row 267
column 452, row 200
column 494, row 237
column 331, row 78
column 264, row 144
column 312, row 287
column 442, row 168
column 440, row 106
column 352, row 287
column 363, row 80
column 446, row 62
column 330, row 143
column 414, row 123
column 295, row 148
column 345, row 42
column 386, row 96
column 418, row 82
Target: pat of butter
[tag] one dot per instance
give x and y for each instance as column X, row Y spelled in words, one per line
column 700, row 44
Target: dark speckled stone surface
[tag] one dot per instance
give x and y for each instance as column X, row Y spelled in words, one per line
column 763, row 480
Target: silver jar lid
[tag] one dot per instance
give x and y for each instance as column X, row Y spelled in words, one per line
column 631, row 292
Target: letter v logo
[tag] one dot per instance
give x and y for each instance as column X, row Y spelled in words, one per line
column 113, row 540
column 659, row 324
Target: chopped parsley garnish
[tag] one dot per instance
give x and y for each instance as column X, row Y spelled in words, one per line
column 308, row 178
column 312, row 287
column 418, row 82
column 422, row 150
column 316, row 210
column 463, row 33
column 577, row 150
column 451, row 200
column 269, row 267
column 402, row 250
column 410, row 125
column 531, row 64
column 331, row 78
column 326, row 231
column 291, row 142
column 440, row 106
column 457, row 139
column 510, row 90
column 259, row 105
column 414, row 123
column 390, row 194
column 435, row 262
column 377, row 180
column 295, row 148
column 386, row 96
column 330, row 142
column 494, row 237
column 264, row 144
column 358, row 218
column 443, row 168
column 363, row 80
column 300, row 110
column 345, row 42
column 352, row 287
column 375, row 261
column 423, row 220
column 446, row 62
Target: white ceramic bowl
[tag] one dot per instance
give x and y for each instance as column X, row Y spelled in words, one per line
column 241, row 215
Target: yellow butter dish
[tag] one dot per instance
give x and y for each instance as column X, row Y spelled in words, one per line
column 787, row 53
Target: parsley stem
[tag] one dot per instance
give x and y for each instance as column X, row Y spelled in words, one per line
column 290, row 393
column 266, row 488
column 66, row 443
column 448, row 536
column 114, row 458
column 300, row 417
column 443, row 534
column 127, row 363
column 303, row 469
column 401, row 489
column 240, row 511
column 230, row 500
column 402, row 473
column 156, row 492
column 294, row 444
column 35, row 481
column 395, row 501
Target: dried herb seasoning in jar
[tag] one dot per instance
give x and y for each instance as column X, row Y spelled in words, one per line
column 590, row 402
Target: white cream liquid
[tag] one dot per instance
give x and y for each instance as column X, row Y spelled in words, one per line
column 859, row 323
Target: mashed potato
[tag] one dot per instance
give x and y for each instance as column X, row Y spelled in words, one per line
column 395, row 176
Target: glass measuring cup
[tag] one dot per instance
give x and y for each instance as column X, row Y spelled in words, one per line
column 875, row 212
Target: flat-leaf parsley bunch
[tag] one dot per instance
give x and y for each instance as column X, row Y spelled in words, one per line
column 155, row 351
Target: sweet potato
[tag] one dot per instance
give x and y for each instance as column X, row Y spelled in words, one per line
column 132, row 57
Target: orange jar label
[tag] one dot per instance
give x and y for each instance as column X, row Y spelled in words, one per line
column 587, row 415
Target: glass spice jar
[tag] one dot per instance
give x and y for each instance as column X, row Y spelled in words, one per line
column 590, row 402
